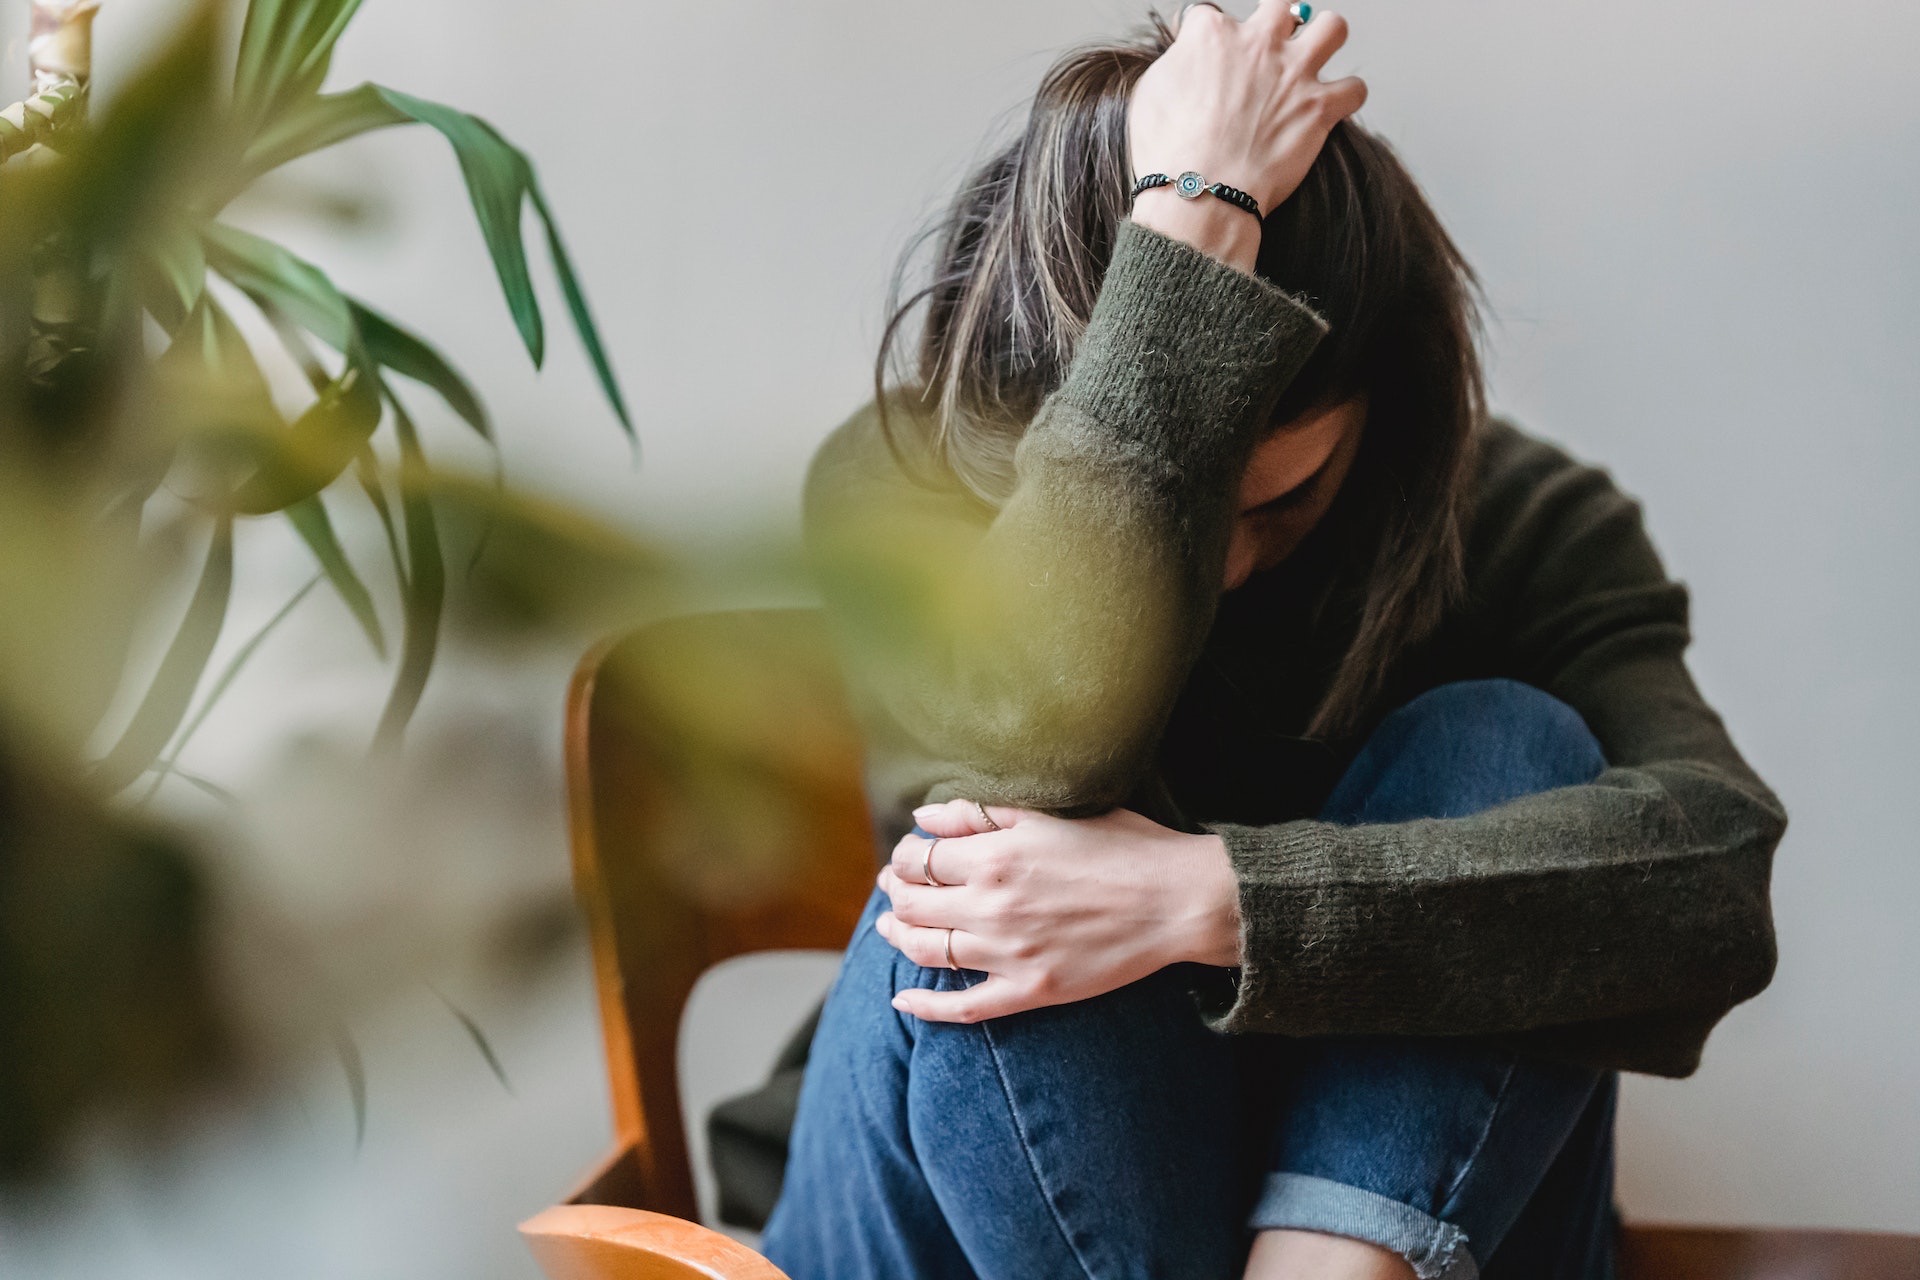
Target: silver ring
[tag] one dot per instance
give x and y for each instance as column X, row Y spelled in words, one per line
column 950, row 964
column 926, row 863
column 1302, row 12
column 985, row 816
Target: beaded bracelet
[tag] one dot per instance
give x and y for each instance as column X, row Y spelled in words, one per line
column 1191, row 186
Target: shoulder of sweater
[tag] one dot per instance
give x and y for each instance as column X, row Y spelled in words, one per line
column 1546, row 523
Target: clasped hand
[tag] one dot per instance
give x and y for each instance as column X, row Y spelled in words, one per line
column 1053, row 910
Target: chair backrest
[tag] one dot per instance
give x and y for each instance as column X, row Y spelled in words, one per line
column 715, row 802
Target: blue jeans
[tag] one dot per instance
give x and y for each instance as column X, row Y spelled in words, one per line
column 1118, row 1137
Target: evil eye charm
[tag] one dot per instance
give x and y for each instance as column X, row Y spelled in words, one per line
column 1191, row 185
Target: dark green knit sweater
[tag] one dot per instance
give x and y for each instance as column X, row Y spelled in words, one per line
column 1071, row 650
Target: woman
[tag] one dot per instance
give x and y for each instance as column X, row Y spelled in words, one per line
column 1311, row 810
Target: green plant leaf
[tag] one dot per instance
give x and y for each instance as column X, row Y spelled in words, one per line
column 171, row 692
column 426, row 585
column 498, row 175
column 354, row 1067
column 265, row 270
column 367, row 469
column 500, row 181
column 178, row 265
column 312, row 453
column 314, row 124
column 206, row 785
column 228, row 673
column 582, row 318
column 478, row 1037
column 325, row 438
column 231, row 392
column 309, row 518
column 285, row 48
column 409, row 356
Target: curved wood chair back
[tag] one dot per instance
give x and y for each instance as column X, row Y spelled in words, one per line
column 714, row 795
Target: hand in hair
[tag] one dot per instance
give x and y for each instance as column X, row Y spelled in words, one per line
column 1240, row 103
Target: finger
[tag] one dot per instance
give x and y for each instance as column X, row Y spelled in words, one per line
column 954, row 818
column 1206, row 10
column 994, row 998
column 1275, row 17
column 1344, row 97
column 925, row 905
column 1319, row 40
column 948, row 860
column 968, row 818
column 928, row 947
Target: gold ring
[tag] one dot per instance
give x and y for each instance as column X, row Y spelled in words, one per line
column 985, row 816
column 950, row 963
column 926, row 863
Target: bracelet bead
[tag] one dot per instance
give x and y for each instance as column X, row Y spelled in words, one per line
column 1191, row 186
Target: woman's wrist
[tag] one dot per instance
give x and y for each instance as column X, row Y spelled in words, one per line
column 1216, row 228
column 1211, row 932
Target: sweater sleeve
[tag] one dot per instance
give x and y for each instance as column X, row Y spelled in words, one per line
column 1612, row 923
column 1029, row 655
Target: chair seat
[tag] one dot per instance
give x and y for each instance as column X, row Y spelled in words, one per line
column 1705, row 1253
column 601, row 1242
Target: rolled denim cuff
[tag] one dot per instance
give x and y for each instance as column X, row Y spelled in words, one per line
column 1435, row 1250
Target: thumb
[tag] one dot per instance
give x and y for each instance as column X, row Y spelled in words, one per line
column 958, row 818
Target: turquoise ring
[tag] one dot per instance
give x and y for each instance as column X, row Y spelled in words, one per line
column 1302, row 12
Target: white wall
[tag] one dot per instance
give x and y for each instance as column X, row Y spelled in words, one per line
column 1697, row 226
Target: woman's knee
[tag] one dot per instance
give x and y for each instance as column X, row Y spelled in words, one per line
column 1463, row 747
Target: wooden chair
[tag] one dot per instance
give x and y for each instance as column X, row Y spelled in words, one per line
column 690, row 744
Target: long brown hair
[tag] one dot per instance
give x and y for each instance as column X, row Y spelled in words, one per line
column 1021, row 253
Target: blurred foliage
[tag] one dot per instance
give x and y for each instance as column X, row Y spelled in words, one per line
column 104, row 1002
column 140, row 434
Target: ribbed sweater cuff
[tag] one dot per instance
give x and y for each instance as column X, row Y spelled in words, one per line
column 1185, row 353
column 1286, row 880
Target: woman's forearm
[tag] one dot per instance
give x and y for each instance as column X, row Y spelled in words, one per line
column 1213, row 227
column 1031, row 657
column 1030, row 654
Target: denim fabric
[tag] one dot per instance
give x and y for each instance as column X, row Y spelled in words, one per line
column 1118, row 1137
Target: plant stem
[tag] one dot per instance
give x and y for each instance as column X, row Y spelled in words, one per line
column 60, row 60
column 61, row 47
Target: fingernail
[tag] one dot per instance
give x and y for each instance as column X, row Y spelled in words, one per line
column 900, row 1003
column 925, row 811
